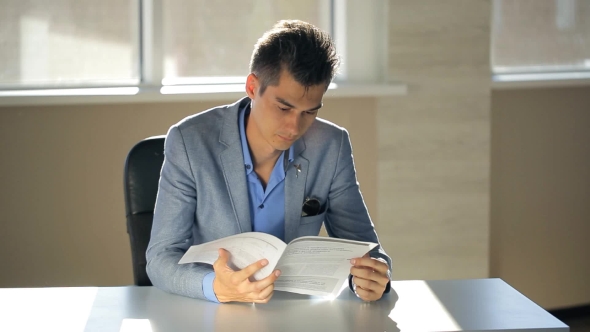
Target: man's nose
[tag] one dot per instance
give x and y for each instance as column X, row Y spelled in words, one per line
column 293, row 120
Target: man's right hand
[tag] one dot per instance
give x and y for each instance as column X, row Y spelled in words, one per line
column 235, row 286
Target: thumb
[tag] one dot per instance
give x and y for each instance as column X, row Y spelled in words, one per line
column 223, row 256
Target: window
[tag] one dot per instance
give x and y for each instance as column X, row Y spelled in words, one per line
column 150, row 49
column 61, row 43
column 540, row 36
column 203, row 38
column 68, row 43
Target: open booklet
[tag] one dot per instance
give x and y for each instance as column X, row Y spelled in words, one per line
column 312, row 265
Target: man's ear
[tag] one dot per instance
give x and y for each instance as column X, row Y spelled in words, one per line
column 252, row 86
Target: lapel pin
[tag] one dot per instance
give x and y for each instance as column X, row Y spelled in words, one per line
column 298, row 168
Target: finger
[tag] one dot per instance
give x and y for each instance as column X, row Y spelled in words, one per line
column 222, row 260
column 268, row 281
column 367, row 284
column 372, row 263
column 262, row 296
column 265, row 300
column 367, row 295
column 352, row 260
column 266, row 292
column 368, row 274
column 249, row 270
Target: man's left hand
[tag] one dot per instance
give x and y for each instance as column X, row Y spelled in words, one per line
column 370, row 277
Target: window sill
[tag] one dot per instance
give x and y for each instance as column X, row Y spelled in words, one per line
column 196, row 93
column 540, row 80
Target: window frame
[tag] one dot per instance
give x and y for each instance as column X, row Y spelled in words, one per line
column 522, row 77
column 355, row 79
column 104, row 87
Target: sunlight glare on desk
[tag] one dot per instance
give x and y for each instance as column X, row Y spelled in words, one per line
column 419, row 308
column 136, row 325
column 34, row 309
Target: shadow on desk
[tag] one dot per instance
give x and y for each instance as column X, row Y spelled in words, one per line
column 113, row 307
column 295, row 312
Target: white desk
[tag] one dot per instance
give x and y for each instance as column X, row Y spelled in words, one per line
column 453, row 305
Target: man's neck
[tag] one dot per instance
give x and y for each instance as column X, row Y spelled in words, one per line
column 263, row 155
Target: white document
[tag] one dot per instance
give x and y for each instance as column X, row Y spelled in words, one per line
column 312, row 265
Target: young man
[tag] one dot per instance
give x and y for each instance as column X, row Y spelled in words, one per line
column 258, row 165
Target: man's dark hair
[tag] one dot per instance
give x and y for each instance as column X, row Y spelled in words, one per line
column 299, row 48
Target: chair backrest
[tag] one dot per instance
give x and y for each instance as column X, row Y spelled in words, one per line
column 141, row 177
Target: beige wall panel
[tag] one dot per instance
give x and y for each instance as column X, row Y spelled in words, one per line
column 540, row 231
column 434, row 143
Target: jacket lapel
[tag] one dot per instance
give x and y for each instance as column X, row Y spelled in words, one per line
column 295, row 181
column 232, row 161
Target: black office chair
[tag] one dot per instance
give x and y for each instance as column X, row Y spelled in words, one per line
column 142, row 174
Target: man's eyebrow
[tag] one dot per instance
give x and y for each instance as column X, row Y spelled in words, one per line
column 286, row 103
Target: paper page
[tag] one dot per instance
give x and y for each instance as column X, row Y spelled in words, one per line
column 316, row 265
column 244, row 248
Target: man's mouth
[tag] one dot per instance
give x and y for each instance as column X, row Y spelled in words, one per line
column 286, row 138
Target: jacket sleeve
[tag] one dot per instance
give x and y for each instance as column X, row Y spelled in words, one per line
column 172, row 230
column 347, row 215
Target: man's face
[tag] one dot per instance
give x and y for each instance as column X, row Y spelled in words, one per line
column 283, row 113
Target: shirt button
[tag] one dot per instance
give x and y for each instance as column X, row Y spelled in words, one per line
column 261, row 206
column 248, row 166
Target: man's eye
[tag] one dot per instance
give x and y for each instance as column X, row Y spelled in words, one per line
column 311, row 112
column 283, row 108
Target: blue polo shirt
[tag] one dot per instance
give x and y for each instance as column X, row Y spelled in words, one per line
column 267, row 206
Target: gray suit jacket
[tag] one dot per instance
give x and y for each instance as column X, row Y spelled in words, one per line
column 203, row 194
